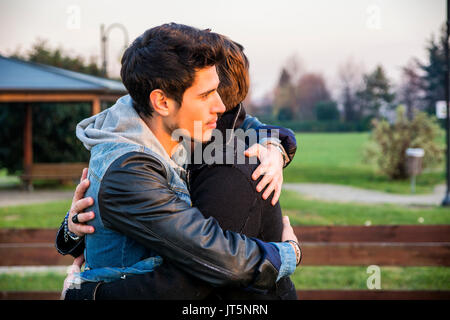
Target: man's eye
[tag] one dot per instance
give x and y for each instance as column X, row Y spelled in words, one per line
column 205, row 96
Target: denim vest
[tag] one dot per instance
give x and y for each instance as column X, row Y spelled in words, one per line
column 111, row 255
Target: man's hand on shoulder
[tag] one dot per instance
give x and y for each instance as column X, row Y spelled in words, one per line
column 271, row 167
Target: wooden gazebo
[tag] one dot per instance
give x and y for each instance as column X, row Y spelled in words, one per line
column 28, row 83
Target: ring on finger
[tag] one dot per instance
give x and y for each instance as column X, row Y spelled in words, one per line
column 75, row 218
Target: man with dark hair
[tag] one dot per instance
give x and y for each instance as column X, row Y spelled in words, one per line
column 141, row 202
column 166, row 58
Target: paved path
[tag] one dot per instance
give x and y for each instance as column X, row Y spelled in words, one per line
column 19, row 197
column 340, row 193
column 33, row 269
column 320, row 191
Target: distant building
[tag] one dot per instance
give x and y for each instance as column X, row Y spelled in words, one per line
column 28, row 83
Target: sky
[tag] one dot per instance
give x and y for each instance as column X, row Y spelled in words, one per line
column 322, row 34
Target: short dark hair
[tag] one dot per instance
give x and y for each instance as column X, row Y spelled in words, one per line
column 166, row 57
column 233, row 74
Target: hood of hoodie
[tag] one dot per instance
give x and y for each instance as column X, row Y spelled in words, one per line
column 120, row 124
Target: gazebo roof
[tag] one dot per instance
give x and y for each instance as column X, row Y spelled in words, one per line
column 18, row 75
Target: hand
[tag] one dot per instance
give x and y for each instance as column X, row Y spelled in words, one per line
column 288, row 234
column 78, row 205
column 71, row 270
column 288, row 231
column 271, row 167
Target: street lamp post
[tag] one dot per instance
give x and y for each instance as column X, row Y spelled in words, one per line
column 104, row 39
column 446, row 201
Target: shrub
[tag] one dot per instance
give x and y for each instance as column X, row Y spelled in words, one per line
column 389, row 142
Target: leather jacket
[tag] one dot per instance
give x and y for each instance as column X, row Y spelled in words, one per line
column 135, row 200
column 146, row 210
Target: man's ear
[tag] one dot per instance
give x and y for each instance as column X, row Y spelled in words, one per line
column 159, row 102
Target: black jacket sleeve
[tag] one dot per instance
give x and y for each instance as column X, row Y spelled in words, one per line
column 286, row 136
column 136, row 200
column 72, row 247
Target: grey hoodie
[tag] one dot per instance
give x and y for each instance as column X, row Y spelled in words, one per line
column 121, row 124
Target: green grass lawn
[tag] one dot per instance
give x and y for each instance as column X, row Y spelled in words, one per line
column 337, row 158
column 355, row 278
column 8, row 181
column 302, row 211
column 38, row 281
column 309, row 277
column 13, row 182
column 42, row 215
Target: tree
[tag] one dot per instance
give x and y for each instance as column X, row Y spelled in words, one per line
column 294, row 67
column 284, row 100
column 433, row 82
column 327, row 110
column 410, row 91
column 350, row 77
column 375, row 96
column 311, row 89
column 41, row 53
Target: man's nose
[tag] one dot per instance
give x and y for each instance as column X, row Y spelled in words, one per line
column 218, row 106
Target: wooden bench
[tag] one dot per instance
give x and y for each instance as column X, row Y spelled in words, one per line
column 53, row 171
column 375, row 245
column 322, row 246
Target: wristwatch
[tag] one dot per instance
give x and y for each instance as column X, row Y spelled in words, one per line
column 298, row 251
column 279, row 147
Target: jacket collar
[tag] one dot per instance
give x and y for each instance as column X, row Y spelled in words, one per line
column 229, row 120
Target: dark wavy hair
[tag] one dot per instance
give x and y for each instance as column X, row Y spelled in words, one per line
column 233, row 73
column 166, row 58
